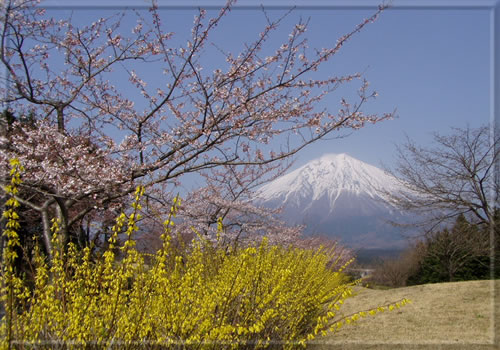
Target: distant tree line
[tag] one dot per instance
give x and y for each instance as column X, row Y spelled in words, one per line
column 461, row 252
column 457, row 254
column 453, row 188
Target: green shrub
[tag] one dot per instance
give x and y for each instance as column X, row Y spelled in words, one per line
column 459, row 253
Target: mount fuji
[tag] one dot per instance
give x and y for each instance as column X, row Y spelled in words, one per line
column 339, row 196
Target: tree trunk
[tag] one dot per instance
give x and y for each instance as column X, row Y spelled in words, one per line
column 60, row 119
column 62, row 215
column 47, row 233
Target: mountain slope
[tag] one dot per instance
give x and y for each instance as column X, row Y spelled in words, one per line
column 339, row 196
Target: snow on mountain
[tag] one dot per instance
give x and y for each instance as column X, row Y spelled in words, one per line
column 331, row 175
column 339, row 196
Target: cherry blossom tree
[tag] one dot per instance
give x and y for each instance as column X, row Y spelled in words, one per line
column 228, row 195
column 92, row 140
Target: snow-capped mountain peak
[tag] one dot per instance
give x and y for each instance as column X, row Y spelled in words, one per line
column 330, row 175
column 335, row 192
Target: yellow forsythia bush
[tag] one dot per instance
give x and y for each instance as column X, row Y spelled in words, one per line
column 209, row 297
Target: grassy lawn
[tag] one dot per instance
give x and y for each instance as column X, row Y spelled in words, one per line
column 458, row 315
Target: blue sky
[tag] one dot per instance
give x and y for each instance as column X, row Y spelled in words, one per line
column 431, row 65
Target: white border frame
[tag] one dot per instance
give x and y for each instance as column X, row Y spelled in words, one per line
column 358, row 4
column 492, row 5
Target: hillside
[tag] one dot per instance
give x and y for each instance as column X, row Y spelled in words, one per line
column 456, row 315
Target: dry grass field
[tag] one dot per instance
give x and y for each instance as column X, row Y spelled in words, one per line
column 458, row 315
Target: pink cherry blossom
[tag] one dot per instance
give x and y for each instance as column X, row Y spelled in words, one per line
column 90, row 143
